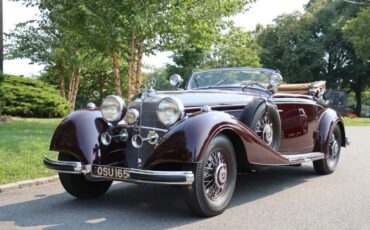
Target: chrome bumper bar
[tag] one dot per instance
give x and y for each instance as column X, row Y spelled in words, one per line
column 135, row 175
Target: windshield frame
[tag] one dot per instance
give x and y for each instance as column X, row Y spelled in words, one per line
column 262, row 70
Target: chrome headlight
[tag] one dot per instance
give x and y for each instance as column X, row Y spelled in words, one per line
column 275, row 80
column 132, row 116
column 169, row 110
column 112, row 108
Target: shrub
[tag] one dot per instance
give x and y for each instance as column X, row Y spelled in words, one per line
column 27, row 97
column 1, row 93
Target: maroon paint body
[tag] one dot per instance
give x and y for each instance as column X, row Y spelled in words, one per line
column 78, row 134
column 305, row 128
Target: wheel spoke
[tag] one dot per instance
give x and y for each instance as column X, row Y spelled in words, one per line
column 214, row 177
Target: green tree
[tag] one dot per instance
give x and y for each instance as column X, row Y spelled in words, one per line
column 236, row 48
column 311, row 46
column 1, row 93
column 129, row 29
column 233, row 48
column 186, row 60
column 43, row 42
column 290, row 46
column 357, row 31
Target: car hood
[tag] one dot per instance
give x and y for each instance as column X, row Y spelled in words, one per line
column 197, row 98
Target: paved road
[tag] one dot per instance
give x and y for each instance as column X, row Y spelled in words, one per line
column 279, row 198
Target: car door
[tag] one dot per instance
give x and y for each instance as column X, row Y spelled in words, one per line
column 299, row 120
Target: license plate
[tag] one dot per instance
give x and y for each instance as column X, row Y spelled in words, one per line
column 110, row 172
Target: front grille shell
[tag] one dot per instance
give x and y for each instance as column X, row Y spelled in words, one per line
column 136, row 158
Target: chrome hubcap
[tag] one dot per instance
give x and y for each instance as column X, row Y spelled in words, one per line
column 264, row 129
column 334, row 147
column 267, row 134
column 220, row 175
column 215, row 176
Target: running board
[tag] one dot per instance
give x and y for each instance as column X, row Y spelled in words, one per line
column 304, row 157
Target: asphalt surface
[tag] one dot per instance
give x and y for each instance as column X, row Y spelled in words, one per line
column 278, row 198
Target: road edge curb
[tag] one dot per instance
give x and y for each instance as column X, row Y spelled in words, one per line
column 27, row 183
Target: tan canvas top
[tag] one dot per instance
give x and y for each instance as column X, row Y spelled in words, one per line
column 302, row 88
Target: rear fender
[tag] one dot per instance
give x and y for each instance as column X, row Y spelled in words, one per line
column 329, row 119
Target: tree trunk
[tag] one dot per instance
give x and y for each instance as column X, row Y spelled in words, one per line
column 139, row 64
column 62, row 85
column 101, row 85
column 131, row 70
column 62, row 82
column 77, row 75
column 71, row 86
column 358, row 94
column 117, row 79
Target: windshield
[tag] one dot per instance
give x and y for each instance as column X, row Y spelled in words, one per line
column 223, row 77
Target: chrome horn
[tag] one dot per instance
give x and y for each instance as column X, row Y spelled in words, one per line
column 137, row 141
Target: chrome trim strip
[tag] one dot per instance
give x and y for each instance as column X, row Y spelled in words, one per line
column 152, row 128
column 74, row 167
column 306, row 157
column 215, row 106
column 187, row 175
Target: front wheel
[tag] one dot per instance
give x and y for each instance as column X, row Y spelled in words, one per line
column 78, row 186
column 329, row 163
column 215, row 179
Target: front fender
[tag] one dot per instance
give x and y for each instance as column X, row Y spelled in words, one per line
column 188, row 140
column 78, row 134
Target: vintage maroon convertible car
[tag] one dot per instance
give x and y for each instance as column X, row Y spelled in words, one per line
column 225, row 121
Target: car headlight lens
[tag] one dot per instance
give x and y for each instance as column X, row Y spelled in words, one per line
column 132, row 116
column 112, row 108
column 169, row 110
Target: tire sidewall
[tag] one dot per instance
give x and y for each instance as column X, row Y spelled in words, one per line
column 337, row 134
column 222, row 144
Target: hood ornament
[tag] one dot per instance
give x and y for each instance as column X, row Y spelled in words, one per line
column 151, row 83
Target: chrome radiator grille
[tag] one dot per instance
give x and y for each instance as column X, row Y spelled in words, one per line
column 148, row 118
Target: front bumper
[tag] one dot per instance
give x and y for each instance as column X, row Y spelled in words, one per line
column 136, row 175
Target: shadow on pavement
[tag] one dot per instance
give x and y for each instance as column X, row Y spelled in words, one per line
column 127, row 206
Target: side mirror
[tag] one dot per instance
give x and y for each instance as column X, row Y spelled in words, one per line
column 275, row 82
column 176, row 80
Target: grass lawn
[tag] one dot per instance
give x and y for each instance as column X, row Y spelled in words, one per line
column 23, row 143
column 361, row 121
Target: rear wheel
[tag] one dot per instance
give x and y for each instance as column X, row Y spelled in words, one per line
column 215, row 179
column 264, row 120
column 329, row 163
column 78, row 186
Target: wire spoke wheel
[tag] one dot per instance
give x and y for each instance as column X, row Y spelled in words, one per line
column 333, row 151
column 215, row 176
column 264, row 120
column 330, row 162
column 264, row 128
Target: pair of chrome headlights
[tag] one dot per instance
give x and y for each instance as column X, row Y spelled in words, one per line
column 113, row 108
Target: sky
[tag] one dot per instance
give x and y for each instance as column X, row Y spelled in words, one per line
column 262, row 12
